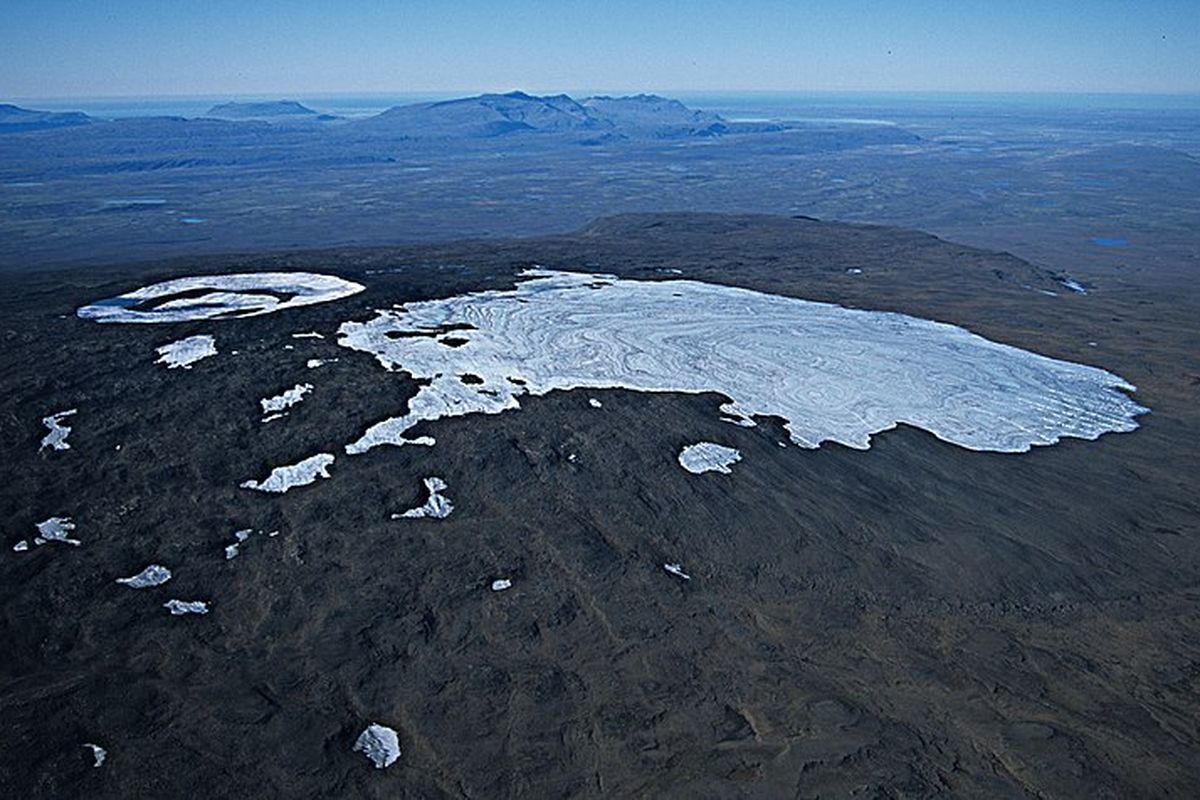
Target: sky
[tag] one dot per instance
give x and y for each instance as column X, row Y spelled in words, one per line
column 81, row 48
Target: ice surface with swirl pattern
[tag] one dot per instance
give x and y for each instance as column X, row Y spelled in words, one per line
column 833, row 374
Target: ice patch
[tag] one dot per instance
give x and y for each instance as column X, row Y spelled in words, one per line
column 832, row 373
column 153, row 575
column 299, row 474
column 594, row 403
column 56, row 529
column 21, row 546
column 233, row 550
column 187, row 351
column 275, row 407
column 308, row 335
column 501, row 585
column 98, row 754
column 677, row 569
column 380, row 744
column 220, row 297
column 56, row 439
column 708, row 457
column 313, row 363
column 1073, row 285
column 180, row 607
column 437, row 506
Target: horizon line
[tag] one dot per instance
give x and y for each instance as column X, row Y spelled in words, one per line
column 285, row 95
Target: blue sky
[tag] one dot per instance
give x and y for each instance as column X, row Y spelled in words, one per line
column 75, row 48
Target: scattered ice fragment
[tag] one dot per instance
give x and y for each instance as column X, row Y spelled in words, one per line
column 220, row 297
column 424, row 441
column 594, row 403
column 275, row 407
column 1073, row 285
column 56, row 439
column 300, row 474
column 273, row 417
column 437, row 506
column 573, row 457
column 831, row 373
column 380, row 744
column 708, row 457
column 313, row 363
column 21, row 546
column 180, row 607
column 231, row 551
column 501, row 585
column 153, row 575
column 677, row 569
column 186, row 352
column 56, row 529
column 854, row 271
column 308, row 335
column 98, row 754
column 289, row 347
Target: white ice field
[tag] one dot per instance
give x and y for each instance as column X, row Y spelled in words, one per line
column 832, row 374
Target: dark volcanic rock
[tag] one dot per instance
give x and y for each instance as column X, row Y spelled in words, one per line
column 910, row 620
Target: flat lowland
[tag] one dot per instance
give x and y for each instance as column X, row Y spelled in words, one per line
column 914, row 619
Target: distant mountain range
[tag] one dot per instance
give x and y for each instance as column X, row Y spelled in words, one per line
column 14, row 119
column 274, row 109
column 596, row 119
column 516, row 116
column 490, row 115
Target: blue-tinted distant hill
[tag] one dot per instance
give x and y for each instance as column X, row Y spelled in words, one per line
column 14, row 119
column 660, row 117
column 594, row 120
column 270, row 110
column 486, row 116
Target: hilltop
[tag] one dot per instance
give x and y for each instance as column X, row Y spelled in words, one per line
column 14, row 119
column 261, row 110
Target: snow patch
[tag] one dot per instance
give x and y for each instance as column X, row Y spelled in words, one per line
column 56, row 529
column 275, row 407
column 677, row 569
column 301, row 473
column 436, row 507
column 708, row 457
column 220, row 297
column 180, row 607
column 153, row 575
column 56, row 439
column 501, row 585
column 379, row 743
column 186, row 352
column 99, row 754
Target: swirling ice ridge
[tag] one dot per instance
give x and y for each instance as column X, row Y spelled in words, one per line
column 832, row 373
column 219, row 297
